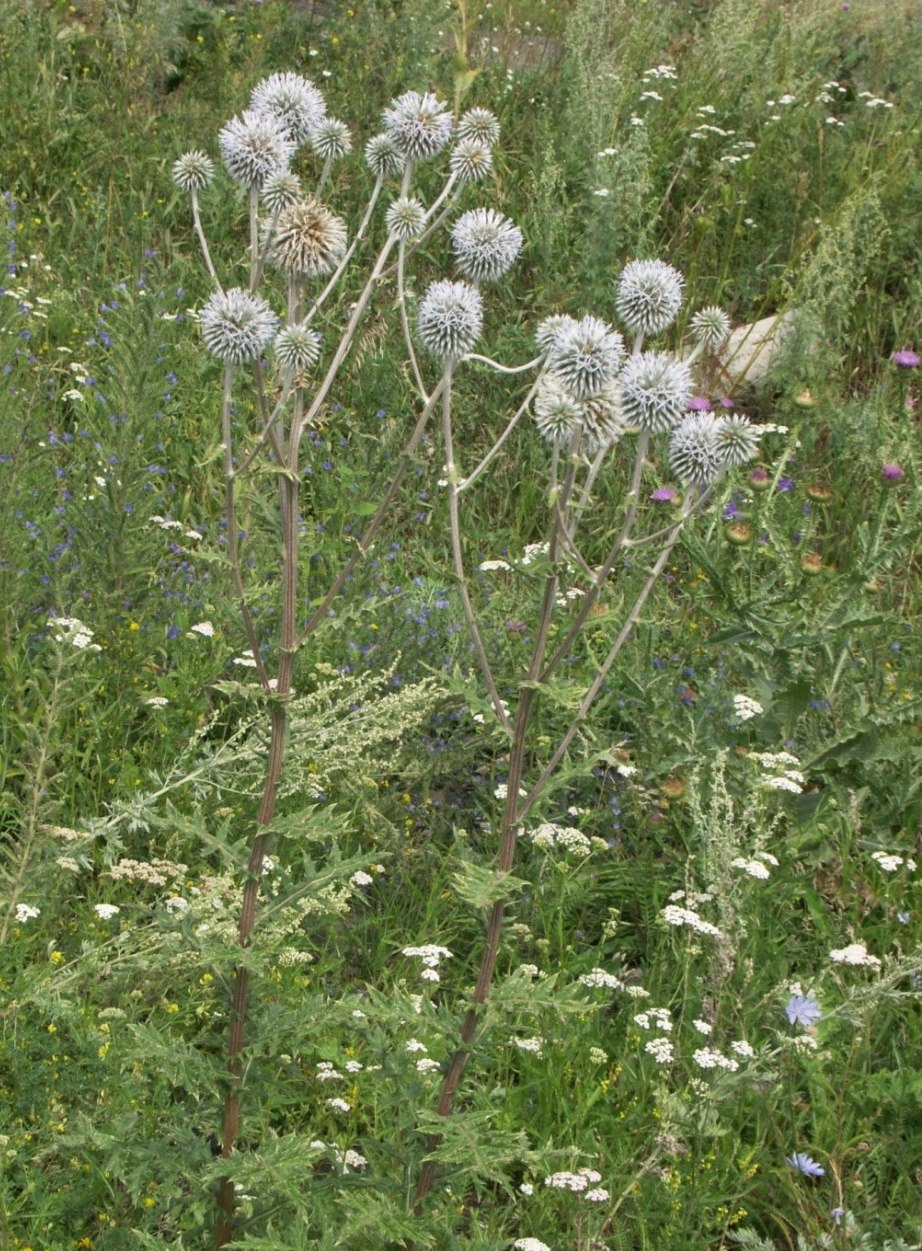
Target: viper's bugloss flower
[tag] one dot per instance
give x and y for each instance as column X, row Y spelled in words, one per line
column 254, row 146
column 710, row 326
column 739, row 439
column 655, row 387
column 485, row 244
column 550, row 328
column 296, row 347
column 280, row 190
column 382, row 156
column 470, row 160
column 308, row 240
column 330, row 139
column 406, row 218
column 419, row 125
column 237, row 326
column 193, row 171
column 586, row 355
column 292, row 100
column 649, row 295
column 695, row 453
column 450, row 318
column 557, row 412
column 480, row 125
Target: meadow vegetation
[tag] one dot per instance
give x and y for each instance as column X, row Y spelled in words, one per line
column 702, row 1031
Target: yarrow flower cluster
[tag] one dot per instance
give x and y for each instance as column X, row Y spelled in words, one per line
column 551, row 836
column 431, row 956
column 745, row 709
column 72, row 630
column 855, row 954
column 675, row 915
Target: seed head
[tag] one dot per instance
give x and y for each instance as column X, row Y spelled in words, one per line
column 281, row 190
column 550, row 328
column 406, row 218
column 419, row 125
column 649, row 296
column 296, row 347
column 485, row 244
column 193, row 171
column 253, row 147
column 586, row 355
column 480, row 125
column 470, row 160
column 710, row 326
column 308, row 241
column 695, row 453
column 450, row 318
column 738, row 438
column 330, row 139
column 237, row 326
column 292, row 100
column 382, row 156
column 557, row 412
column 655, row 387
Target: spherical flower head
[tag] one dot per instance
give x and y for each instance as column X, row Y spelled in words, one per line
column 330, row 139
column 480, row 125
column 485, row 244
column 655, row 387
column 292, row 100
column 586, row 355
column 470, row 160
column 281, row 190
column 450, row 318
column 237, row 326
column 296, row 347
column 906, row 359
column 308, row 240
column 739, row 439
column 602, row 417
column 557, row 412
column 893, row 472
column 406, row 218
column 710, row 326
column 695, row 453
column 193, row 171
column 649, row 295
column 382, row 156
column 419, row 125
column 550, row 328
column 253, row 147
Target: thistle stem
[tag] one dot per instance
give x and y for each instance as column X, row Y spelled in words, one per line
column 203, row 242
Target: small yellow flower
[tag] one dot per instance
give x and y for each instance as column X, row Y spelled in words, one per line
column 57, row 957
column 134, row 626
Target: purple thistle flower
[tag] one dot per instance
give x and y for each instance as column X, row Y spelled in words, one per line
column 906, row 359
column 664, row 495
column 785, row 484
column 699, row 404
column 805, row 1164
column 803, row 1010
column 893, row 472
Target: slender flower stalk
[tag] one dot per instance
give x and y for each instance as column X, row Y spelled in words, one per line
column 203, row 242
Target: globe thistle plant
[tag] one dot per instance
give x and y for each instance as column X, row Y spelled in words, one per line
column 480, row 125
column 236, row 326
column 739, row 439
column 450, row 319
column 193, row 171
column 382, row 156
column 486, row 244
column 293, row 101
column 557, row 412
column 550, row 328
column 655, row 387
column 330, row 139
column 649, row 296
column 406, row 218
column 253, row 147
column 281, row 190
column 586, row 355
column 710, row 326
column 296, row 347
column 695, row 452
column 602, row 417
column 419, row 125
column 308, row 240
column 470, row 160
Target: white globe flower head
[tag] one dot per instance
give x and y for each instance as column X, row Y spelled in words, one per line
column 308, row 241
column 331, row 140
column 655, row 387
column 236, row 326
column 710, row 326
column 419, row 125
column 695, row 453
column 480, row 125
column 602, row 417
column 557, row 412
column 586, row 355
column 296, row 347
column 382, row 156
column 649, row 295
column 406, row 218
column 292, row 100
column 739, row 439
column 253, row 147
column 450, row 318
column 281, row 190
column 550, row 328
column 470, row 160
column 485, row 244
column 193, row 171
